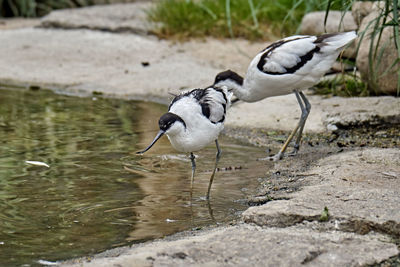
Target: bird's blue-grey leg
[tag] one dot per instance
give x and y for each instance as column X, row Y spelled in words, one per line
column 304, row 113
column 215, row 168
column 303, row 117
column 192, row 159
column 210, row 211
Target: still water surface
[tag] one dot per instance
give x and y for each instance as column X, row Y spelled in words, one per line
column 97, row 193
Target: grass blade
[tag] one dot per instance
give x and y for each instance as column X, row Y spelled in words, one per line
column 347, row 8
column 397, row 38
column 14, row 8
column 396, row 26
column 228, row 17
column 208, row 11
column 291, row 12
column 328, row 8
column 253, row 13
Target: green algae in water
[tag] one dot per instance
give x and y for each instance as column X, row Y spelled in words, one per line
column 97, row 193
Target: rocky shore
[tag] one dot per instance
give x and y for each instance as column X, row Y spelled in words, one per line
column 358, row 182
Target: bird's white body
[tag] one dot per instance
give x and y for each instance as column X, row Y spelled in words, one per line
column 200, row 130
column 286, row 66
column 195, row 119
column 296, row 62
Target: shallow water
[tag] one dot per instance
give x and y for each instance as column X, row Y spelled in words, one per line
column 97, row 193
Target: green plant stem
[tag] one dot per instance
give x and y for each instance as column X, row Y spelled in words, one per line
column 396, row 26
column 228, row 17
column 253, row 13
column 397, row 39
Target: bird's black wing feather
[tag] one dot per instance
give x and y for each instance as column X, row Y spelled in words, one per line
column 288, row 55
column 214, row 103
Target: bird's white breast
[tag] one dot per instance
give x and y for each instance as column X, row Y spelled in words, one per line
column 199, row 132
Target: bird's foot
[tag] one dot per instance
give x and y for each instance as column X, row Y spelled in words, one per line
column 295, row 150
column 293, row 153
column 275, row 157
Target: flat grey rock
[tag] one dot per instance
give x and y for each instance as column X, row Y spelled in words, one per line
column 84, row 61
column 384, row 76
column 113, row 18
column 247, row 245
column 361, row 190
column 313, row 23
column 16, row 23
column 283, row 113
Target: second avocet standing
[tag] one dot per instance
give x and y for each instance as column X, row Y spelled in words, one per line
column 289, row 65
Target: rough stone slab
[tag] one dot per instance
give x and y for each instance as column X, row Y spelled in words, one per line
column 313, row 24
column 283, row 113
column 246, row 245
column 114, row 18
column 360, row 9
column 83, row 61
column 385, row 69
column 16, row 23
column 360, row 188
column 225, row 53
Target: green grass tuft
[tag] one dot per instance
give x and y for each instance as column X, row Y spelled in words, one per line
column 37, row 8
column 324, row 215
column 344, row 85
column 251, row 19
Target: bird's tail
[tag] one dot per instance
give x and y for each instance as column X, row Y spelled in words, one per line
column 337, row 41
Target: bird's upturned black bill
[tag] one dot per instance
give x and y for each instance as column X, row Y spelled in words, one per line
column 160, row 133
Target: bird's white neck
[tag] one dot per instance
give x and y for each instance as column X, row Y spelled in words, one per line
column 238, row 90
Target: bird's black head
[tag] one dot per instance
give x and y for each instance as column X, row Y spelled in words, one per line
column 228, row 75
column 169, row 119
column 165, row 123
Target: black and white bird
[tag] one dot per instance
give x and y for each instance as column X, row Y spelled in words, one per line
column 289, row 65
column 194, row 120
